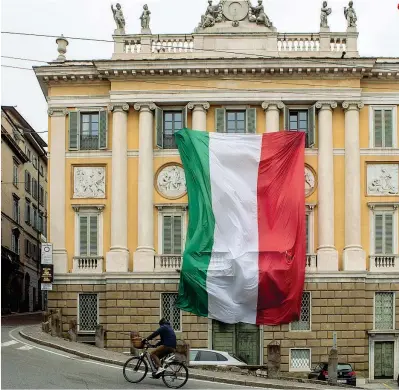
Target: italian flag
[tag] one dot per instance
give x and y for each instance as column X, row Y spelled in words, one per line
column 244, row 259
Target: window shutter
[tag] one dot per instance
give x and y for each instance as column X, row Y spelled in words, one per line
column 103, row 128
column 26, row 181
column 286, row 118
column 93, row 235
column 251, row 120
column 83, row 235
column 220, row 120
column 388, row 127
column 378, row 220
column 159, row 126
column 74, row 130
column 185, row 117
column 311, row 126
column 177, row 235
column 32, row 217
column 167, row 235
column 388, row 236
column 378, row 128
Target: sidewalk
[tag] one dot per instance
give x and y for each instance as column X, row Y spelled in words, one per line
column 35, row 334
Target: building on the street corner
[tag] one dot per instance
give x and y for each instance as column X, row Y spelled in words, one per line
column 118, row 204
column 23, row 212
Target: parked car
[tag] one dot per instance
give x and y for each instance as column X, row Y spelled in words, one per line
column 208, row 357
column 345, row 373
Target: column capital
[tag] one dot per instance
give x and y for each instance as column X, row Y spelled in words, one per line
column 144, row 106
column 118, row 107
column 326, row 105
column 57, row 111
column 352, row 105
column 270, row 104
column 201, row 105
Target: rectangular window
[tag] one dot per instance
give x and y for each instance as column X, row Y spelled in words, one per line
column 303, row 324
column 172, row 122
column 300, row 359
column 172, row 234
column 41, row 196
column 34, row 188
column 88, row 235
column 15, row 209
column 88, row 312
column 29, row 154
column 169, row 310
column 15, row 174
column 27, row 181
column 28, row 212
column 34, row 162
column 383, row 127
column 383, row 232
column 236, row 122
column 27, row 247
column 384, row 310
column 34, row 219
column 45, row 226
column 41, row 170
column 34, row 251
column 40, row 225
column 15, row 241
column 89, row 131
column 298, row 121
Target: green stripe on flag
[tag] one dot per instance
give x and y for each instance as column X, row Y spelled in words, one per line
column 194, row 152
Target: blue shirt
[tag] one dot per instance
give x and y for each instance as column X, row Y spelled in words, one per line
column 168, row 336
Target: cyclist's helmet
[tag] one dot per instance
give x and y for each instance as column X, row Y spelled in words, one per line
column 162, row 321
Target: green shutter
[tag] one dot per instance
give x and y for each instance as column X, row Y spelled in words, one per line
column 286, row 118
column 311, row 127
column 83, row 236
column 93, row 235
column 388, row 128
column 177, row 235
column 388, row 234
column 185, row 117
column 103, row 128
column 159, row 127
column 167, row 235
column 378, row 221
column 220, row 114
column 378, row 128
column 251, row 120
column 74, row 130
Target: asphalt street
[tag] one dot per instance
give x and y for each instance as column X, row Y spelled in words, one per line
column 25, row 365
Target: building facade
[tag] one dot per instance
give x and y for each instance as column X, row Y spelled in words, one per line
column 118, row 205
column 23, row 212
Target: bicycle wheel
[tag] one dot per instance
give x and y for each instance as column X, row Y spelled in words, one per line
column 175, row 375
column 135, row 369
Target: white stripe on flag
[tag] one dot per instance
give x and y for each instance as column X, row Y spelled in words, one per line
column 232, row 279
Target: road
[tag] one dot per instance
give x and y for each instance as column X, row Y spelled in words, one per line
column 25, row 365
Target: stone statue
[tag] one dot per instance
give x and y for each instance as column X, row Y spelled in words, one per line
column 145, row 20
column 213, row 14
column 324, row 14
column 350, row 15
column 258, row 15
column 119, row 18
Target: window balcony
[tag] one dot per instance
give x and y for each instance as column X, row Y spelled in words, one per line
column 384, row 263
column 311, row 263
column 88, row 265
column 168, row 263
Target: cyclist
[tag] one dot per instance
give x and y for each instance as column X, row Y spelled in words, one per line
column 166, row 346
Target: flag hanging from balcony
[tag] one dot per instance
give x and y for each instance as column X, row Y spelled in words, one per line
column 244, row 259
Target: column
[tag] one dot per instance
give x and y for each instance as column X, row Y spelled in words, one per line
column 327, row 255
column 57, row 189
column 354, row 257
column 117, row 259
column 272, row 109
column 144, row 255
column 199, row 114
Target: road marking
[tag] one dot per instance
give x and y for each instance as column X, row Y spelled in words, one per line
column 25, row 348
column 389, row 387
column 8, row 343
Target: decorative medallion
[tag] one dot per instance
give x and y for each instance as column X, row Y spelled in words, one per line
column 235, row 10
column 89, row 182
column 170, row 181
column 382, row 179
column 310, row 180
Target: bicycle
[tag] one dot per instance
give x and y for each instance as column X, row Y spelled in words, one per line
column 136, row 368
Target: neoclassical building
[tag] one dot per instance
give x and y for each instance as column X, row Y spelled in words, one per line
column 117, row 193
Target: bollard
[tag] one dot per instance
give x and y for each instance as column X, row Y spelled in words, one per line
column 100, row 336
column 273, row 360
column 333, row 366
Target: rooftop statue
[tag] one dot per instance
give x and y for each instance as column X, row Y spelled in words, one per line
column 324, row 15
column 258, row 15
column 145, row 20
column 350, row 15
column 212, row 15
column 119, row 19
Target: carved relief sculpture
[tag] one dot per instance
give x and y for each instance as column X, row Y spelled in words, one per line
column 324, row 15
column 171, row 182
column 383, row 179
column 119, row 19
column 257, row 14
column 310, row 181
column 145, row 20
column 212, row 15
column 350, row 15
column 89, row 182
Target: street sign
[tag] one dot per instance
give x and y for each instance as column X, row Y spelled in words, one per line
column 47, row 287
column 47, row 253
column 47, row 273
column 335, row 340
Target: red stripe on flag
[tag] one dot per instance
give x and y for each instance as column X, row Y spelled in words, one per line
column 281, row 227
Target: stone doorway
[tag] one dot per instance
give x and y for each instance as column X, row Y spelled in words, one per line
column 384, row 360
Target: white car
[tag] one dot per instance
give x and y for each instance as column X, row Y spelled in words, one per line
column 209, row 357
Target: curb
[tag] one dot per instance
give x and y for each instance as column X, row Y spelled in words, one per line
column 16, row 315
column 206, row 378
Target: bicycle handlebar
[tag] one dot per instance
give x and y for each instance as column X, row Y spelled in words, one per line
column 148, row 345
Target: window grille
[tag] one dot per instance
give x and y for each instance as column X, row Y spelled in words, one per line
column 169, row 310
column 384, row 310
column 300, row 359
column 88, row 312
column 304, row 321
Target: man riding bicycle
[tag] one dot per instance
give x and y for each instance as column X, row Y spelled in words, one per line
column 166, row 346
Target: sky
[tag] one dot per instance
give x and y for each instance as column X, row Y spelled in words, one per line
column 378, row 26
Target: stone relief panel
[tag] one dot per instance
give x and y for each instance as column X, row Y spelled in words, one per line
column 170, row 181
column 383, row 179
column 310, row 180
column 89, row 182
